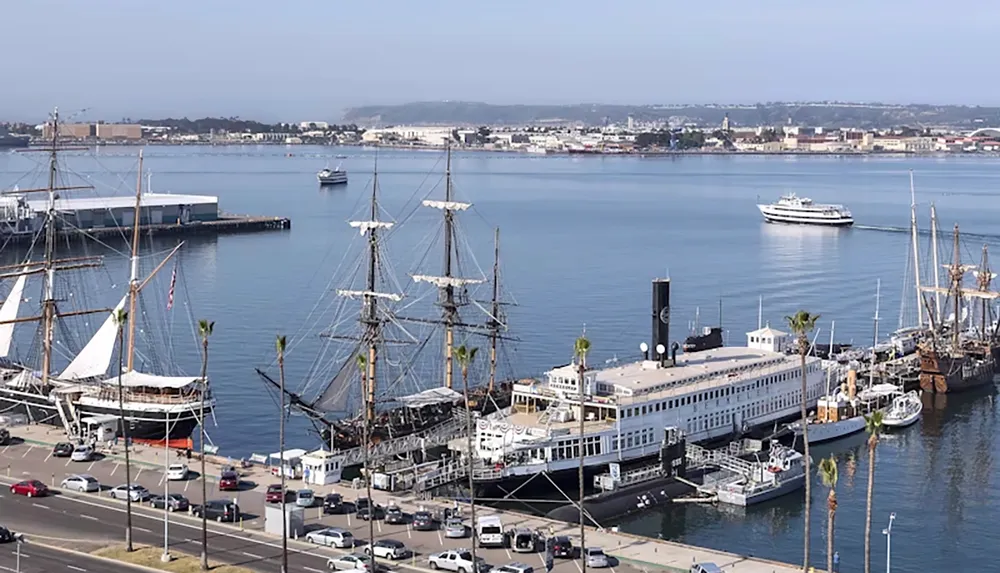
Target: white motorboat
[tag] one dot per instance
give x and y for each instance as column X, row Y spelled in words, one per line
column 904, row 411
column 332, row 176
column 802, row 211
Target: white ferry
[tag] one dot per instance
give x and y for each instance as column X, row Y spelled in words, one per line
column 708, row 395
column 802, row 211
column 332, row 176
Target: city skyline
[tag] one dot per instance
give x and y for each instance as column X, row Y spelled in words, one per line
column 315, row 59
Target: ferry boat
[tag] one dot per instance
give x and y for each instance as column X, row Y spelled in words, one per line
column 802, row 211
column 332, row 176
column 626, row 408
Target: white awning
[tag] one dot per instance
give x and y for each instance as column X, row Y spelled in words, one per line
column 133, row 379
column 431, row 397
column 101, row 419
column 289, row 455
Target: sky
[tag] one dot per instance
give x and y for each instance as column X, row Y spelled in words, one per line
column 300, row 60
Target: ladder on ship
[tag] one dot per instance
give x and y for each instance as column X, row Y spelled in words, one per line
column 64, row 403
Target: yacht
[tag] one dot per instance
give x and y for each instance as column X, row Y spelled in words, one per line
column 802, row 211
column 627, row 408
column 332, row 176
column 904, row 411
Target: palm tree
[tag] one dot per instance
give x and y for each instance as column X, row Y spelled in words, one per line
column 204, row 331
column 465, row 356
column 580, row 349
column 279, row 344
column 873, row 425
column 362, row 363
column 121, row 317
column 828, row 473
column 802, row 323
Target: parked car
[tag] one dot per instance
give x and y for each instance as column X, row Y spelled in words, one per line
column 596, row 557
column 274, row 493
column 82, row 453
column 514, row 567
column 174, row 502
column 219, row 510
column 177, row 472
column 459, row 560
column 4, row 436
column 375, row 513
column 305, row 498
column 62, row 450
column 6, row 535
column 454, row 528
column 30, row 488
column 83, row 482
column 331, row 537
column 563, row 547
column 136, row 491
column 333, row 503
column 361, row 503
column 354, row 561
column 525, row 540
column 424, row 521
column 705, row 568
column 394, row 515
column 229, row 481
column 388, row 549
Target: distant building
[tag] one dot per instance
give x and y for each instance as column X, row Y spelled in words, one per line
column 71, row 130
column 310, row 125
column 117, row 131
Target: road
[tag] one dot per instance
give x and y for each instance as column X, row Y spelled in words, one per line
column 37, row 559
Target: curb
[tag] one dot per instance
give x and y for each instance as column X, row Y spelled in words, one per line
column 107, row 560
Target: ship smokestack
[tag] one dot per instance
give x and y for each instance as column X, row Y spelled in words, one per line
column 661, row 318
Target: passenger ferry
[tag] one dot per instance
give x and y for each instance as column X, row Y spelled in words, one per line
column 708, row 395
column 332, row 176
column 802, row 211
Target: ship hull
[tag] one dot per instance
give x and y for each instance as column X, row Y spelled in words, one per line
column 944, row 374
column 829, row 431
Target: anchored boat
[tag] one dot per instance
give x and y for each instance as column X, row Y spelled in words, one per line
column 904, row 411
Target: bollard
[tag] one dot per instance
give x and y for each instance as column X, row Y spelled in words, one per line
column 53, row 480
column 8, row 470
column 241, row 523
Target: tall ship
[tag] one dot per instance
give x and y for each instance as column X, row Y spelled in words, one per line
column 391, row 376
column 85, row 392
column 709, row 395
column 796, row 210
column 957, row 356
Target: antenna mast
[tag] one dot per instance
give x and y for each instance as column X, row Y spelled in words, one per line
column 916, row 251
column 937, row 266
column 878, row 299
column 448, row 304
column 49, row 303
column 494, row 324
column 956, row 282
column 133, row 282
column 371, row 303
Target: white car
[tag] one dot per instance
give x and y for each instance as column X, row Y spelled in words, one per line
column 331, row 537
column 388, row 549
column 136, row 491
column 454, row 528
column 355, row 562
column 177, row 472
column 82, row 453
column 81, row 483
column 596, row 557
column 514, row 567
column 459, row 560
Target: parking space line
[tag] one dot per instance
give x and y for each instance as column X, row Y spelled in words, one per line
column 91, row 466
column 46, row 457
column 137, row 475
column 186, row 484
column 409, row 533
column 113, row 470
column 68, row 462
column 41, row 506
column 251, row 555
column 508, row 552
column 441, row 541
column 26, row 451
column 85, row 516
column 141, row 529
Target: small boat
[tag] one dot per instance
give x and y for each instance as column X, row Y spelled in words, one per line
column 332, row 176
column 837, row 416
column 783, row 473
column 802, row 211
column 904, row 411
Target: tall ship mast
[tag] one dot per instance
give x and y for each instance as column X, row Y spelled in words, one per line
column 83, row 395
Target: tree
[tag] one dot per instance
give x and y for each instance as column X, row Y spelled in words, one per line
column 121, row 317
column 580, row 349
column 828, row 473
column 802, row 323
column 362, row 363
column 279, row 345
column 465, row 357
column 873, row 425
column 204, row 331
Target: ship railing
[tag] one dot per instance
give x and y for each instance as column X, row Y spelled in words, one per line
column 434, row 437
column 699, row 456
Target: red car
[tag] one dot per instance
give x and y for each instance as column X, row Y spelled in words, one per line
column 274, row 494
column 30, row 488
column 229, row 481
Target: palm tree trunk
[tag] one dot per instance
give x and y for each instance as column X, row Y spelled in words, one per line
column 805, row 439
column 583, row 519
column 832, row 503
column 472, row 479
column 281, row 455
column 868, row 509
column 128, row 465
column 201, row 427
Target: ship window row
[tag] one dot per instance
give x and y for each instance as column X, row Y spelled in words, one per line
column 711, row 421
column 570, row 449
column 633, row 439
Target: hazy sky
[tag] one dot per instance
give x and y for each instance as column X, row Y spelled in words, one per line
column 310, row 59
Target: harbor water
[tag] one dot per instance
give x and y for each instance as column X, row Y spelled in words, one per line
column 580, row 239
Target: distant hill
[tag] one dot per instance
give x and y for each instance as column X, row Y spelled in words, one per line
column 826, row 114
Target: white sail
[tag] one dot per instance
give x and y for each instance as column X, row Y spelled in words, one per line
column 449, row 205
column 95, row 357
column 8, row 312
column 442, row 282
column 365, row 226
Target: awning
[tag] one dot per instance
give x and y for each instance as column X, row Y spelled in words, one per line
column 134, row 379
column 431, row 397
column 289, row 455
column 100, row 419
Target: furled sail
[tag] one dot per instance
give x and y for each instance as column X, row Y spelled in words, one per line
column 335, row 396
column 95, row 357
column 8, row 312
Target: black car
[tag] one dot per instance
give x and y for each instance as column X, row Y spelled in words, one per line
column 6, row 535
column 219, row 510
column 394, row 515
column 62, row 450
column 563, row 547
column 174, row 502
column 333, row 503
column 367, row 513
column 423, row 521
column 4, row 436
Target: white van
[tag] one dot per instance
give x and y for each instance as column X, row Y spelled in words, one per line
column 489, row 532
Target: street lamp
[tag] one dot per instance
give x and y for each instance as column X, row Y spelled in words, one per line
column 166, row 558
column 887, row 532
column 19, row 538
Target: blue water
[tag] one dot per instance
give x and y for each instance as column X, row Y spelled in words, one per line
column 581, row 239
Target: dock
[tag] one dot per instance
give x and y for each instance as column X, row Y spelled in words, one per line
column 29, row 456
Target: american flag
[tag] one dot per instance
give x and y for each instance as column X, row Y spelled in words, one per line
column 170, row 295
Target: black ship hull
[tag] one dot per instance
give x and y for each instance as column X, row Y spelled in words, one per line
column 942, row 373
column 13, row 142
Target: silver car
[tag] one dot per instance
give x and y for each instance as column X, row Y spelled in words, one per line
column 454, row 528
column 81, row 483
column 135, row 491
column 596, row 557
column 331, row 536
column 82, row 453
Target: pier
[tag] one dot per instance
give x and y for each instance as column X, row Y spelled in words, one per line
column 29, row 457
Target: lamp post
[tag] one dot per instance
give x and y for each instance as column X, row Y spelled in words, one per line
column 887, row 532
column 165, row 558
column 19, row 538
